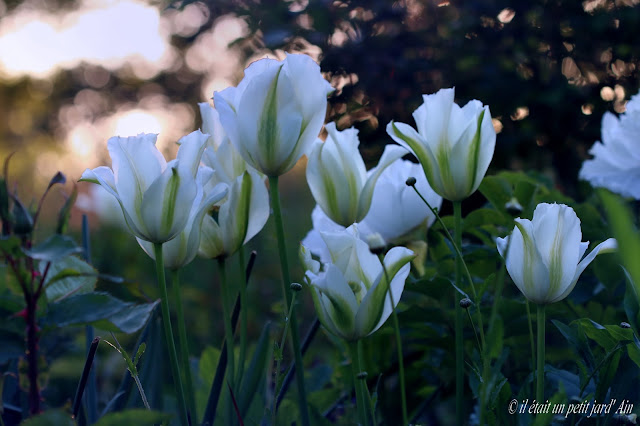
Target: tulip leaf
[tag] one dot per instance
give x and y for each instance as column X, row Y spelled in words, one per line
column 65, row 212
column 631, row 306
column 69, row 276
column 99, row 309
column 256, row 372
column 58, row 178
column 53, row 248
column 625, row 233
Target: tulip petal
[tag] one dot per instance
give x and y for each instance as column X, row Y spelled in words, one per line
column 376, row 306
column 342, row 305
column 390, row 154
column 136, row 163
column 406, row 136
column 604, row 247
column 433, row 116
column 211, row 125
column 163, row 206
column 211, row 239
column 524, row 264
column 104, row 177
column 557, row 231
column 319, row 302
column 190, row 152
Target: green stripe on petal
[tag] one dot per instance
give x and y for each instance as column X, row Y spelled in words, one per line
column 474, row 155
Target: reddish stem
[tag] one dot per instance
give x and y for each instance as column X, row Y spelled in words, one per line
column 32, row 356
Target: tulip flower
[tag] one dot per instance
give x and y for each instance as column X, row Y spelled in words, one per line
column 544, row 258
column 219, row 153
column 181, row 250
column 155, row 196
column 351, row 293
column 240, row 217
column 454, row 145
column 616, row 162
column 276, row 112
column 338, row 178
column 396, row 212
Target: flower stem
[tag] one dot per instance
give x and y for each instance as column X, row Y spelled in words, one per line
column 228, row 328
column 458, row 251
column 540, row 358
column 457, row 216
column 396, row 326
column 168, row 334
column 279, row 361
column 244, row 316
column 357, row 382
column 183, row 343
column 531, row 339
column 286, row 282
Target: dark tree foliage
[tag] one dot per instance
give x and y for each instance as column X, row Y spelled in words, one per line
column 546, row 68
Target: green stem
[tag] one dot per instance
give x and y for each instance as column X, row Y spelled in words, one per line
column 183, row 343
column 228, row 328
column 244, row 309
column 357, row 382
column 540, row 358
column 457, row 215
column 458, row 251
column 396, row 326
column 531, row 338
column 368, row 406
column 168, row 334
column 279, row 360
column 286, row 282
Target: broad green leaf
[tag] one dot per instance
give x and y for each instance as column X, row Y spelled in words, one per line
column 625, row 233
column 256, row 372
column 53, row 248
column 101, row 310
column 50, row 418
column 65, row 212
column 494, row 339
column 138, row 417
column 69, row 276
column 22, row 219
column 632, row 304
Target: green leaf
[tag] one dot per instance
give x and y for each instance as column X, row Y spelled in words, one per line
column 58, row 178
column 10, row 246
column 50, row 418
column 65, row 212
column 631, row 304
column 495, row 338
column 138, row 417
column 99, row 309
column 256, row 372
column 625, row 233
column 69, row 276
column 53, row 248
column 22, row 220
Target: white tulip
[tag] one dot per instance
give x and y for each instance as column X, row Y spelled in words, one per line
column 156, row 197
column 240, row 217
column 337, row 176
column 616, row 160
column 454, row 145
column 544, row 258
column 276, row 112
column 182, row 249
column 351, row 293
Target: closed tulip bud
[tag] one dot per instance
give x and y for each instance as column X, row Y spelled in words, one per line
column 156, row 197
column 351, row 293
column 544, row 258
column 454, row 145
column 338, row 178
column 276, row 112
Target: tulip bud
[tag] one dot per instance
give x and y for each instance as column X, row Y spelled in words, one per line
column 454, row 145
column 411, row 181
column 513, row 206
column 296, row 287
column 544, row 253
column 465, row 303
column 625, row 325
